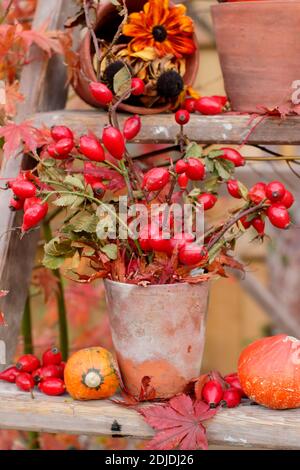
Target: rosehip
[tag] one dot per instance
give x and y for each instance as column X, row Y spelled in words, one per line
column 98, row 188
column 144, row 239
column 231, row 398
column 181, row 239
column 275, row 191
column 101, row 93
column 137, row 87
column 245, row 222
column 234, row 382
column 279, row 216
column 232, row 156
column 221, row 99
column 51, row 370
column 158, row 243
column 183, row 181
column 195, row 170
column 208, row 200
column 30, row 202
column 52, row 386
column 258, row 193
column 61, row 132
column 16, row 204
column 192, row 253
column 182, row 117
column 181, row 167
column 52, row 356
column 233, row 189
column 190, row 105
column 61, row 367
column 51, row 149
column 64, row 146
column 34, row 215
column 114, row 142
column 132, row 127
column 156, row 179
column 36, row 375
column 288, row 199
column 23, row 189
column 209, row 105
column 259, row 224
column 28, row 363
column 25, row 382
column 10, row 375
column 212, row 393
column 91, row 148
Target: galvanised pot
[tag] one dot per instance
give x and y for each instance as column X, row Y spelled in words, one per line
column 158, row 331
column 259, row 49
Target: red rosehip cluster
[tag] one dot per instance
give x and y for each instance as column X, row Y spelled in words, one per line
column 227, row 392
column 29, row 372
column 208, row 105
column 103, row 95
column 25, row 188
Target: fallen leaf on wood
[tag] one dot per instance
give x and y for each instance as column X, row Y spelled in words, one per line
column 179, row 424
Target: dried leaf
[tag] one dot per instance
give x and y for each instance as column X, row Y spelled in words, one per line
column 122, row 81
column 16, row 134
column 179, row 424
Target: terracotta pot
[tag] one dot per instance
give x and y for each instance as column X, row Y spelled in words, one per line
column 259, row 48
column 158, row 331
column 108, row 22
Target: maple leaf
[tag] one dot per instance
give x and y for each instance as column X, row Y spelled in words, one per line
column 16, row 134
column 12, row 96
column 179, row 424
column 45, row 40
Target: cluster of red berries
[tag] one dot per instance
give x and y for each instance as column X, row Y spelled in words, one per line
column 25, row 188
column 277, row 200
column 29, row 372
column 103, row 95
column 227, row 392
column 208, row 105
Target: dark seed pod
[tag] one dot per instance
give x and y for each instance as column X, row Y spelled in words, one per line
column 170, row 84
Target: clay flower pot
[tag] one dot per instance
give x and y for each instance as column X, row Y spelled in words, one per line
column 159, row 332
column 108, row 21
column 259, row 48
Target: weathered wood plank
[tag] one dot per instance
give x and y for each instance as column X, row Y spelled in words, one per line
column 245, row 426
column 38, row 83
column 161, row 129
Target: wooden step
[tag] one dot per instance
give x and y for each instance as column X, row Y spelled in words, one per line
column 245, row 426
column 162, row 129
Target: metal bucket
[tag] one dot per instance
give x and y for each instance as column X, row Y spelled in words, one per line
column 159, row 332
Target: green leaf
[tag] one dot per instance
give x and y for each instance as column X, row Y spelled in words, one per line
column 193, row 150
column 85, row 222
column 222, row 171
column 111, row 251
column 211, row 184
column 49, row 162
column 58, row 247
column 243, row 190
column 195, row 192
column 65, row 201
column 122, row 81
column 53, row 262
column 80, row 200
column 209, row 165
column 74, row 181
column 215, row 154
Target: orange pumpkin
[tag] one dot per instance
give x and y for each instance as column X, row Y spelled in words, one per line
column 269, row 372
column 90, row 374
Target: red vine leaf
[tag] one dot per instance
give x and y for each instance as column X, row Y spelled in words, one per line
column 16, row 134
column 179, row 424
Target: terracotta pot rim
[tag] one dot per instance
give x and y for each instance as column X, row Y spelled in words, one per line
column 241, row 4
column 153, row 286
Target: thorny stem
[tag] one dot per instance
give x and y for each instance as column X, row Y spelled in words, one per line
column 33, row 437
column 6, row 12
column 93, row 36
column 232, row 221
column 61, row 304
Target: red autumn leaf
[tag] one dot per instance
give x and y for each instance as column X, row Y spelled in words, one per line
column 45, row 40
column 115, row 181
column 11, row 99
column 179, row 424
column 16, row 134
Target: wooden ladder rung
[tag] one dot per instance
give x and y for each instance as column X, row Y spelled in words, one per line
column 245, row 426
column 162, row 129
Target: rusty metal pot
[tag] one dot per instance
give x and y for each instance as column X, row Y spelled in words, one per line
column 108, row 21
column 159, row 332
column 259, row 49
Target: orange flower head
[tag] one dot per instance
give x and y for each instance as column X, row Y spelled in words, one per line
column 167, row 29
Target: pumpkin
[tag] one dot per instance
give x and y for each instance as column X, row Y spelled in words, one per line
column 90, row 374
column 269, row 372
